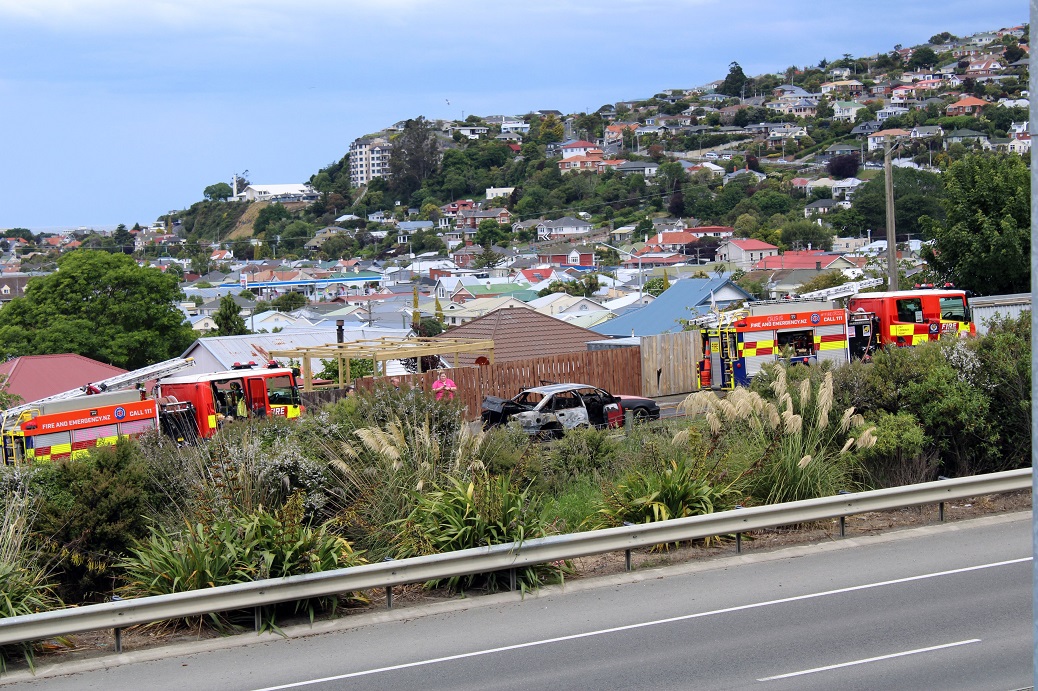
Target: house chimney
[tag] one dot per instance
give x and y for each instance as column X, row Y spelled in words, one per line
column 339, row 335
column 818, row 266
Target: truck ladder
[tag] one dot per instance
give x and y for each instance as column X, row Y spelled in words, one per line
column 119, row 381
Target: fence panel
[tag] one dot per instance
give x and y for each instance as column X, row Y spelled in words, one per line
column 669, row 363
column 617, row 371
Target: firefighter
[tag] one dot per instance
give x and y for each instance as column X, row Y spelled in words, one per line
column 236, row 401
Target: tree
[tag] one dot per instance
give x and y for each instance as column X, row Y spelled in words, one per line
column 489, row 233
column 843, row 166
column 413, row 157
column 984, row 242
column 552, row 130
column 487, row 259
column 23, row 233
column 800, row 234
column 228, row 318
column 220, row 191
column 828, row 279
column 99, row 305
column 734, row 82
column 288, row 302
column 916, row 194
column 922, row 57
column 123, row 239
column 268, row 216
column 654, row 286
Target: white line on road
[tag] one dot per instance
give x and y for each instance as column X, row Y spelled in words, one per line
column 601, row 632
column 870, row 659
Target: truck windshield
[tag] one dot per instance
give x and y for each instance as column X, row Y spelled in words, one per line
column 280, row 391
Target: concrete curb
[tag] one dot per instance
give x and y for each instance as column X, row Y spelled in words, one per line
column 425, row 610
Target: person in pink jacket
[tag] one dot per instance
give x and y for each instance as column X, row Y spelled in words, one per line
column 444, row 387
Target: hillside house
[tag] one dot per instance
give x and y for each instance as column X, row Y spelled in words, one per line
column 745, row 252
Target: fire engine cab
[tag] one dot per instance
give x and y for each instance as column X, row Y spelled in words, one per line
column 911, row 317
column 238, row 393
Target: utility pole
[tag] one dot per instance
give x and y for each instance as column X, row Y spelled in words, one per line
column 888, row 178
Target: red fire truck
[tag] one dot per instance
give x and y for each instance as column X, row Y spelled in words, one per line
column 808, row 331
column 241, row 392
column 911, row 317
column 184, row 407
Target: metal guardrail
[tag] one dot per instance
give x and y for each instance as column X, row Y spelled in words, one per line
column 121, row 614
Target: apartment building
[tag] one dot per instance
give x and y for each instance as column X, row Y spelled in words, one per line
column 369, row 159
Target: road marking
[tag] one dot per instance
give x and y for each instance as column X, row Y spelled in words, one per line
column 871, row 659
column 629, row 627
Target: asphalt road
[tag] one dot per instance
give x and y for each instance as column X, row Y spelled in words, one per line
column 945, row 606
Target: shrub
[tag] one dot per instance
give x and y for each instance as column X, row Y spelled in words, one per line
column 459, row 515
column 244, row 547
column 901, row 456
column 581, row 453
column 90, row 512
column 1004, row 372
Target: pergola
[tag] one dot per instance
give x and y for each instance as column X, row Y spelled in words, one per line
column 381, row 350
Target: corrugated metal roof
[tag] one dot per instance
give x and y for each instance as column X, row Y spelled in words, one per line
column 221, row 352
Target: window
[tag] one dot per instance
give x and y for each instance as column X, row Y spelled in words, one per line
column 910, row 310
column 795, row 343
column 954, row 308
column 281, row 392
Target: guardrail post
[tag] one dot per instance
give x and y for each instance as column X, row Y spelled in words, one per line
column 389, row 590
column 627, row 552
column 843, row 519
column 940, row 505
column 257, row 618
column 738, row 536
column 511, row 578
column 118, row 640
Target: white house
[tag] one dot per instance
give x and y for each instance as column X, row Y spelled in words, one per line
column 744, row 252
column 289, row 192
column 565, row 227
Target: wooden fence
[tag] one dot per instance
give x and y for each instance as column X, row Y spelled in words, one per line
column 669, row 363
column 617, row 371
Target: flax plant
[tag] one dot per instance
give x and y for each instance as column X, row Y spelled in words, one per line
column 25, row 586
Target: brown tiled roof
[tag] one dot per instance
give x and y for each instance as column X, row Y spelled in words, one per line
column 520, row 333
column 36, row 376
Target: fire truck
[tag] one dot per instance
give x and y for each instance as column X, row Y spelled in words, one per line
column 185, row 408
column 244, row 391
column 806, row 331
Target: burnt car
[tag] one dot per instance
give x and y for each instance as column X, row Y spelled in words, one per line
column 548, row 410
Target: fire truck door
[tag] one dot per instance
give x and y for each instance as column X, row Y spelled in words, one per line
column 257, row 396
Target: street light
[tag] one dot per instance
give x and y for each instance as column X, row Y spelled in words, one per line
column 632, row 256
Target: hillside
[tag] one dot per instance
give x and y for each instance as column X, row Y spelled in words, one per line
column 244, row 227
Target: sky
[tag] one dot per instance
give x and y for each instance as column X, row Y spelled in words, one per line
column 119, row 111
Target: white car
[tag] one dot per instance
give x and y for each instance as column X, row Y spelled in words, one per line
column 726, row 157
column 711, row 155
column 550, row 409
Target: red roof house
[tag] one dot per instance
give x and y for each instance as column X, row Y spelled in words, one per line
column 37, row 376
